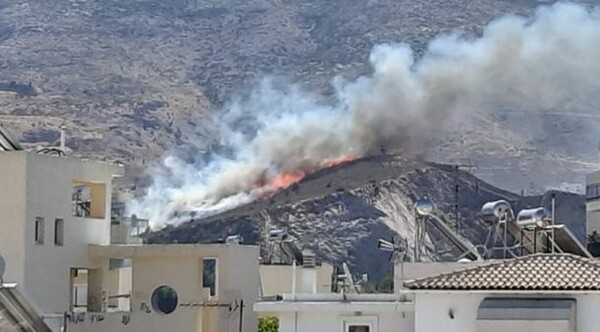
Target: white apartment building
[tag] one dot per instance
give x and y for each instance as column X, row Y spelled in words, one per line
column 55, row 236
column 43, row 235
column 540, row 292
column 592, row 197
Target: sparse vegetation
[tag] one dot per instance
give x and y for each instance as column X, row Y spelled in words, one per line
column 268, row 324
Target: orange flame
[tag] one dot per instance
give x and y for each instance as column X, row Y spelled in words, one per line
column 289, row 178
column 337, row 161
column 286, row 179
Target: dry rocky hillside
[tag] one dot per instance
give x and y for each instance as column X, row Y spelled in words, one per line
column 132, row 79
column 340, row 212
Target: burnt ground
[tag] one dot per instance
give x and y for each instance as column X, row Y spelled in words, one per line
column 340, row 212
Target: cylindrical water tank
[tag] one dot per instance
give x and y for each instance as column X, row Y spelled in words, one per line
column 532, row 218
column 496, row 211
column 278, row 234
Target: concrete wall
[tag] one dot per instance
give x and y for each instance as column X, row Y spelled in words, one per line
column 588, row 307
column 34, row 185
column 593, row 206
column 180, row 267
column 432, row 313
column 12, row 214
column 49, row 188
column 327, row 321
column 277, row 279
column 593, row 216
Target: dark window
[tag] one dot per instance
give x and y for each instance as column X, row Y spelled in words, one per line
column 164, row 300
column 359, row 328
column 39, row 230
column 59, row 232
column 209, row 275
column 592, row 191
column 88, row 200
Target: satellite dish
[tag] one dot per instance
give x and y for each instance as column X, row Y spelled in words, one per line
column 2, row 267
column 424, row 207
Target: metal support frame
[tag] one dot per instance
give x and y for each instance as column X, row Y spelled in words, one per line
column 497, row 240
column 419, row 236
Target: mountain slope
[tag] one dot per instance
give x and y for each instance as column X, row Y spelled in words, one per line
column 133, row 79
column 340, row 212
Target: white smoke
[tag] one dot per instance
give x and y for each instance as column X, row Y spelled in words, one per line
column 537, row 63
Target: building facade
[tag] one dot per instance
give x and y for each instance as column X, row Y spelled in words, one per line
column 44, row 233
column 187, row 288
column 87, row 273
column 541, row 292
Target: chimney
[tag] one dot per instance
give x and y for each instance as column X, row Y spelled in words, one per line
column 309, row 272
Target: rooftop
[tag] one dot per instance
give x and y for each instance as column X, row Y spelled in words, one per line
column 557, row 272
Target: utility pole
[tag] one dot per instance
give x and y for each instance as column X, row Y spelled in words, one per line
column 468, row 166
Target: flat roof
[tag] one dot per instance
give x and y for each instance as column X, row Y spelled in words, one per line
column 335, row 302
column 116, row 169
column 165, row 250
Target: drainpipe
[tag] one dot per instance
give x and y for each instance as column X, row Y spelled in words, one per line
column 294, row 271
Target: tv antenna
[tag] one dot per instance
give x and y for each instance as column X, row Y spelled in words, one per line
column 467, row 165
column 347, row 284
column 397, row 249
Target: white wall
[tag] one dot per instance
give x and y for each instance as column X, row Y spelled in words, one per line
column 49, row 189
column 180, row 267
column 593, row 207
column 432, row 312
column 277, row 279
column 12, row 214
column 588, row 313
column 327, row 321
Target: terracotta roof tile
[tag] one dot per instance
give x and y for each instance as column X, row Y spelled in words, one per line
column 533, row 272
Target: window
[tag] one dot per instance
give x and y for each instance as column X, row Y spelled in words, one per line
column 59, row 232
column 592, row 191
column 164, row 300
column 39, row 230
column 89, row 200
column 359, row 328
column 79, row 289
column 360, row 324
column 209, row 275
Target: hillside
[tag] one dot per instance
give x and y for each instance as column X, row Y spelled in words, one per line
column 133, row 79
column 340, row 212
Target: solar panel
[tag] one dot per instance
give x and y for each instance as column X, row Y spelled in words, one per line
column 7, row 141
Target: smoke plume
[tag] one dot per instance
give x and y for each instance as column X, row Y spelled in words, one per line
column 537, row 63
